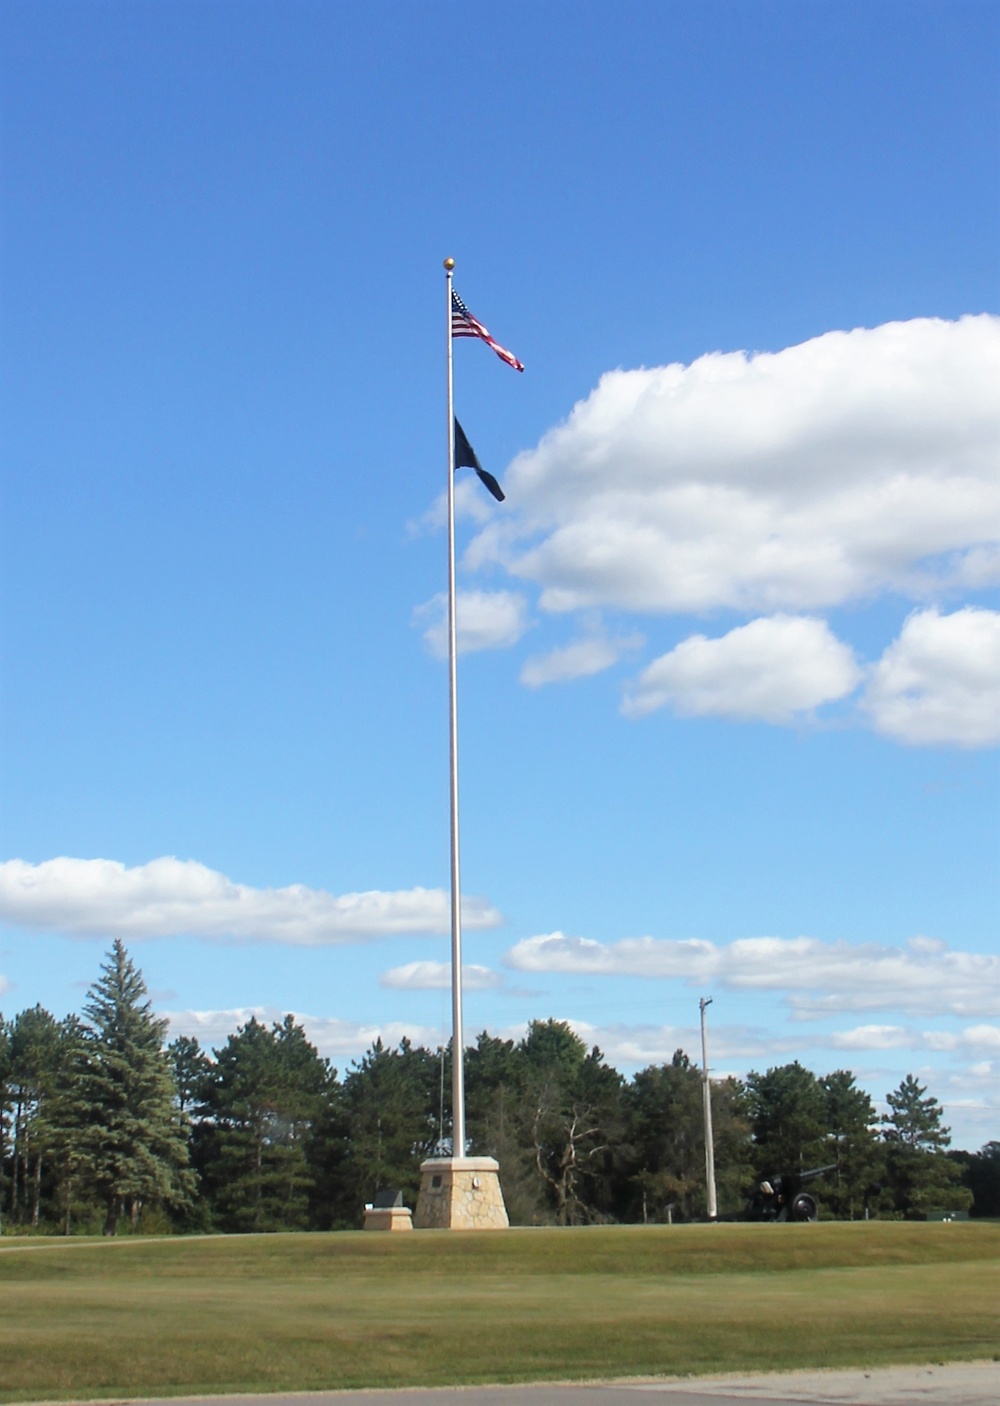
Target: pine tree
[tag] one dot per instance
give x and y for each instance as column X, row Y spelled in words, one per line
column 391, row 1103
column 571, row 1120
column 981, row 1174
column 137, row 1149
column 666, row 1107
column 32, row 1053
column 192, row 1071
column 65, row 1127
column 921, row 1175
column 263, row 1097
column 853, row 1145
column 5, row 1105
column 788, row 1117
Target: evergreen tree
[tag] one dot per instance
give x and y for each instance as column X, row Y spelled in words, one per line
column 733, row 1145
column 571, row 1120
column 981, row 1174
column 495, row 1079
column 853, row 1145
column 5, row 1108
column 261, row 1100
column 191, row 1069
column 921, row 1176
column 788, row 1117
column 391, row 1104
column 665, row 1104
column 32, row 1048
column 667, row 1118
column 137, row 1149
column 66, row 1129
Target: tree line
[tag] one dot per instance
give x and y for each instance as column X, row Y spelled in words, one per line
column 106, row 1127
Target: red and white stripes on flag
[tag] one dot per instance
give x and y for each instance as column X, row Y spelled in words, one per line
column 463, row 324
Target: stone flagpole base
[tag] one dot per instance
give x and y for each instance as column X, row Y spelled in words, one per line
column 460, row 1193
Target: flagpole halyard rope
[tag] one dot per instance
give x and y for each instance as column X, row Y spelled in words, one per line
column 458, row 1041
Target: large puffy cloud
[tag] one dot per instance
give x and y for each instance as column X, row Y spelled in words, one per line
column 940, row 680
column 436, row 976
column 854, row 463
column 169, row 897
column 483, row 620
column 923, row 977
column 774, row 668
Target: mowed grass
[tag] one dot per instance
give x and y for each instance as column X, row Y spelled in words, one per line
column 303, row 1312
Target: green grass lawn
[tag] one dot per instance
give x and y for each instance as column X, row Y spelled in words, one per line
column 298, row 1312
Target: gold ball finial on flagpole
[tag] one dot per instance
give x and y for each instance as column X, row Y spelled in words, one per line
column 449, row 264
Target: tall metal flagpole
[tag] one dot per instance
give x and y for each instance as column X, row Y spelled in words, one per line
column 457, row 1039
column 713, row 1210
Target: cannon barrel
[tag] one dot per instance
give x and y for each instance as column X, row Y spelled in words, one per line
column 816, row 1172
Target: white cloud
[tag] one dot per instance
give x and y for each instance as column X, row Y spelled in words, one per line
column 974, row 1039
column 335, row 1039
column 982, row 1038
column 578, row 660
column 873, row 1037
column 170, row 897
column 774, row 668
column 691, row 960
column 483, row 620
column 855, row 463
column 823, row 978
column 436, row 976
column 638, row 1045
column 940, row 681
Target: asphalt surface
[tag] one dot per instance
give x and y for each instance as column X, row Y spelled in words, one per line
column 958, row 1384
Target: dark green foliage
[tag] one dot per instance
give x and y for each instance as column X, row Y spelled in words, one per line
column 787, row 1112
column 921, row 1178
column 259, row 1103
column 135, row 1146
column 668, row 1153
column 99, row 1121
column 552, row 1114
column 496, row 1072
column 391, row 1103
column 853, row 1145
column 667, row 1117
column 980, row 1173
column 4, row 1108
column 192, row 1071
column 30, row 1062
column 66, row 1129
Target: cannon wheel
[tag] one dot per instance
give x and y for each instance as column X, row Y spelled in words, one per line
column 804, row 1207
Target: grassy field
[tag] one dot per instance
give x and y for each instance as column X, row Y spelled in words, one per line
column 185, row 1316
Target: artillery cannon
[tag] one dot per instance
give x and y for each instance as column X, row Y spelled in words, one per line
column 782, row 1197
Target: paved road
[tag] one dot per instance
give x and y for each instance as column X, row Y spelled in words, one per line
column 961, row 1384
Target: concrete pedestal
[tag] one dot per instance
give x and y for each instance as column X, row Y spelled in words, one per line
column 388, row 1218
column 460, row 1193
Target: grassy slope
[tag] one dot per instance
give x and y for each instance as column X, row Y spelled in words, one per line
column 143, row 1317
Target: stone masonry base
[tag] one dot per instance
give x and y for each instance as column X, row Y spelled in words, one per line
column 388, row 1218
column 460, row 1193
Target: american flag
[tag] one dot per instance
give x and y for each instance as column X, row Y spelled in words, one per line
column 463, row 324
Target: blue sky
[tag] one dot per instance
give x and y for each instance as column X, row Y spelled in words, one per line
column 731, row 684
